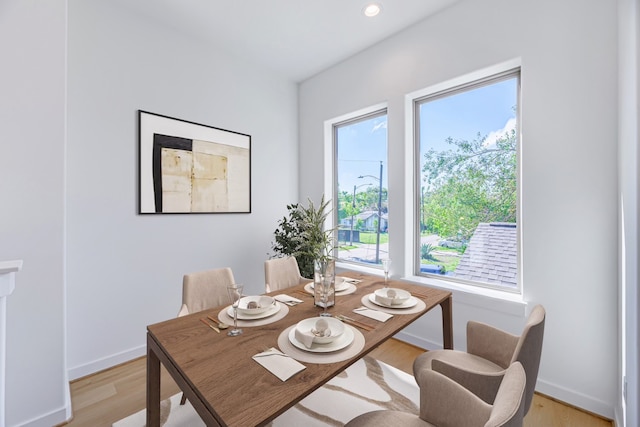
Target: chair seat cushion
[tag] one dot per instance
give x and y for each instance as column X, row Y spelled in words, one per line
column 458, row 358
column 388, row 418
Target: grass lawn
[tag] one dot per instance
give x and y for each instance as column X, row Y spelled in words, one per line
column 346, row 247
column 447, row 257
column 370, row 238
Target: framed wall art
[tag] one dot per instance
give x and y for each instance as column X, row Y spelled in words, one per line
column 187, row 167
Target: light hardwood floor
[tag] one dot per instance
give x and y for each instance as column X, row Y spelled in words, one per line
column 108, row 396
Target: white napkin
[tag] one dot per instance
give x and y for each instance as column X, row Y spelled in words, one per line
column 278, row 363
column 284, row 298
column 373, row 314
column 305, row 338
column 386, row 301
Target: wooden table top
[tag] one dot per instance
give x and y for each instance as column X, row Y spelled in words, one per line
column 237, row 391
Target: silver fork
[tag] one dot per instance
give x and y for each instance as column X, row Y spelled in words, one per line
column 349, row 320
column 269, row 352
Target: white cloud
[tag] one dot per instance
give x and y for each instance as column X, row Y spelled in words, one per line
column 494, row 135
column 381, row 125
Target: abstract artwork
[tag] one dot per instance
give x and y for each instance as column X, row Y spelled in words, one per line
column 188, row 167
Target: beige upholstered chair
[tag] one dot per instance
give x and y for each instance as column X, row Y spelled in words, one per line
column 445, row 403
column 205, row 289
column 281, row 273
column 490, row 352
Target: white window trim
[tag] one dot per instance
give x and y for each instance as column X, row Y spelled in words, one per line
column 473, row 294
column 330, row 173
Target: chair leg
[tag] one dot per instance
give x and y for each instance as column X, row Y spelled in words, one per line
column 183, row 399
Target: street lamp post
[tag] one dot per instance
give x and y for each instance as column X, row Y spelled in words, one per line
column 379, row 211
column 353, row 209
column 379, row 217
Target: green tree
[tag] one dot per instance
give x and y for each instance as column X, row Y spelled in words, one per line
column 368, row 199
column 469, row 183
column 345, row 201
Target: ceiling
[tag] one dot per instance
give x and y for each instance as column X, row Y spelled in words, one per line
column 295, row 38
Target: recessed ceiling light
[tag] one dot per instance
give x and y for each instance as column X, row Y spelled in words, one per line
column 372, row 9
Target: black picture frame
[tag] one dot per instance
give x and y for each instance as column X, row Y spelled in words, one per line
column 187, row 167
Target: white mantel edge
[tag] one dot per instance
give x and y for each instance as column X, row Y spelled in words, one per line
column 7, row 273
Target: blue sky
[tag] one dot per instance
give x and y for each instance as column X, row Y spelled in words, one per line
column 362, row 145
column 488, row 110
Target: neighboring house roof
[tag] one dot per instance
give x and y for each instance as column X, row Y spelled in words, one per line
column 368, row 214
column 491, row 255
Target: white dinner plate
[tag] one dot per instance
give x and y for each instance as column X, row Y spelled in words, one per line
column 411, row 302
column 341, row 342
column 341, row 284
column 349, row 290
column 270, row 312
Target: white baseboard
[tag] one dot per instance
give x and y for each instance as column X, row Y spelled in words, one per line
column 106, row 362
column 571, row 397
column 53, row 418
column 417, row 341
column 575, row 398
column 618, row 419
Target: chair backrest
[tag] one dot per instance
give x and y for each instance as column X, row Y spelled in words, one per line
column 446, row 403
column 529, row 350
column 508, row 406
column 206, row 289
column 281, row 273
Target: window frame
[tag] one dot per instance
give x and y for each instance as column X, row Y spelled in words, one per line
column 413, row 194
column 331, row 173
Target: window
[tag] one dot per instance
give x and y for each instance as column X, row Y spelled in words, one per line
column 361, row 211
column 467, row 203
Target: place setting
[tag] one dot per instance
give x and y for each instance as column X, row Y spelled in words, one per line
column 321, row 340
column 252, row 310
column 390, row 301
column 343, row 286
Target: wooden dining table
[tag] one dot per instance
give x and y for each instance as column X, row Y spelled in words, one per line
column 227, row 387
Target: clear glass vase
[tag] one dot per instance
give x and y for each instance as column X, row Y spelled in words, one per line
column 324, row 286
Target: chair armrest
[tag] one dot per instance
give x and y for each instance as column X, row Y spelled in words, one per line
column 183, row 310
column 490, row 343
column 485, row 385
column 445, row 403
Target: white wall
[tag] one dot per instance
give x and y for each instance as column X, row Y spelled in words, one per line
column 568, row 52
column 125, row 270
column 629, row 94
column 32, row 139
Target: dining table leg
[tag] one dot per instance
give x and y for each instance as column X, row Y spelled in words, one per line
column 447, row 323
column 153, row 387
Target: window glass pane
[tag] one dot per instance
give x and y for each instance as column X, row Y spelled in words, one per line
column 468, row 197
column 361, row 170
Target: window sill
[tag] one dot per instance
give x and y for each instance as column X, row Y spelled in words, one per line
column 504, row 302
column 491, row 299
column 360, row 268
